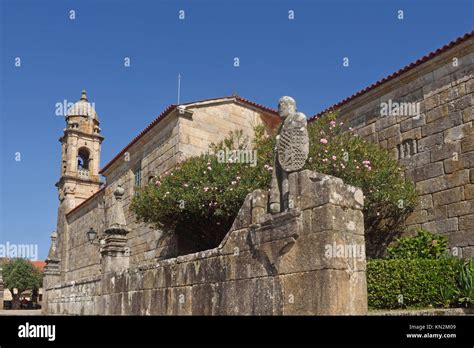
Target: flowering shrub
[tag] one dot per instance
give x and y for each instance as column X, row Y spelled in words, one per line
column 201, row 197
column 388, row 199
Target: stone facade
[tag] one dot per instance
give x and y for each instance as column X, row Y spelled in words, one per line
column 436, row 146
column 266, row 265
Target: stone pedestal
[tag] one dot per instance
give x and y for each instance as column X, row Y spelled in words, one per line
column 52, row 272
column 51, row 275
column 332, row 240
column 314, row 251
column 115, row 254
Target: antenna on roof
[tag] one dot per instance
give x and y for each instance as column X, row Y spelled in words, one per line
column 179, row 87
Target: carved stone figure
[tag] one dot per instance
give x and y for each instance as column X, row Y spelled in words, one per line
column 291, row 152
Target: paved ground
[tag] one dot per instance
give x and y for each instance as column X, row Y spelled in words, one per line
column 20, row 312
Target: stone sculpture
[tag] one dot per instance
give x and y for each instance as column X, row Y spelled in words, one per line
column 291, row 152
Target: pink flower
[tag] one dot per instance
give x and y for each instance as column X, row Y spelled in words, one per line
column 237, row 178
column 334, row 157
column 157, row 182
column 206, row 189
column 270, row 169
column 323, row 141
column 333, row 123
column 210, row 168
column 325, row 159
column 366, row 162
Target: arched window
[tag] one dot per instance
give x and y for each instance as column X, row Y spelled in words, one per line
column 83, row 158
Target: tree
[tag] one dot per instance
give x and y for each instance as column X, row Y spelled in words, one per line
column 21, row 274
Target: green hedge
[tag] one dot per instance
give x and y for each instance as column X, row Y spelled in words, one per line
column 419, row 281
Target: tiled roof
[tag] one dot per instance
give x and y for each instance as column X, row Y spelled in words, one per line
column 39, row 265
column 397, row 73
column 168, row 110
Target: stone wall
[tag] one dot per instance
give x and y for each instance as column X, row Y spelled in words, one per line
column 437, row 146
column 83, row 259
column 266, row 265
column 176, row 137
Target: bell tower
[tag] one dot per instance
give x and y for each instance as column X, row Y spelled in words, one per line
column 79, row 179
column 80, row 155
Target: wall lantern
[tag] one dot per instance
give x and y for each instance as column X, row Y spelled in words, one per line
column 91, row 235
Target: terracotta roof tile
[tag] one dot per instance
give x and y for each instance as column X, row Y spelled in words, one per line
column 397, row 73
column 39, row 265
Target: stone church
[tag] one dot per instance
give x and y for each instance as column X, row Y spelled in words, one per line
column 176, row 134
column 437, row 149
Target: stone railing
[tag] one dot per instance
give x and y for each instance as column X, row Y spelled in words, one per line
column 83, row 173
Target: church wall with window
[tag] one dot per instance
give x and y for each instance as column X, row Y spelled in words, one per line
column 436, row 146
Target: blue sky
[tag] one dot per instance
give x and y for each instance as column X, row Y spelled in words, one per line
column 278, row 56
